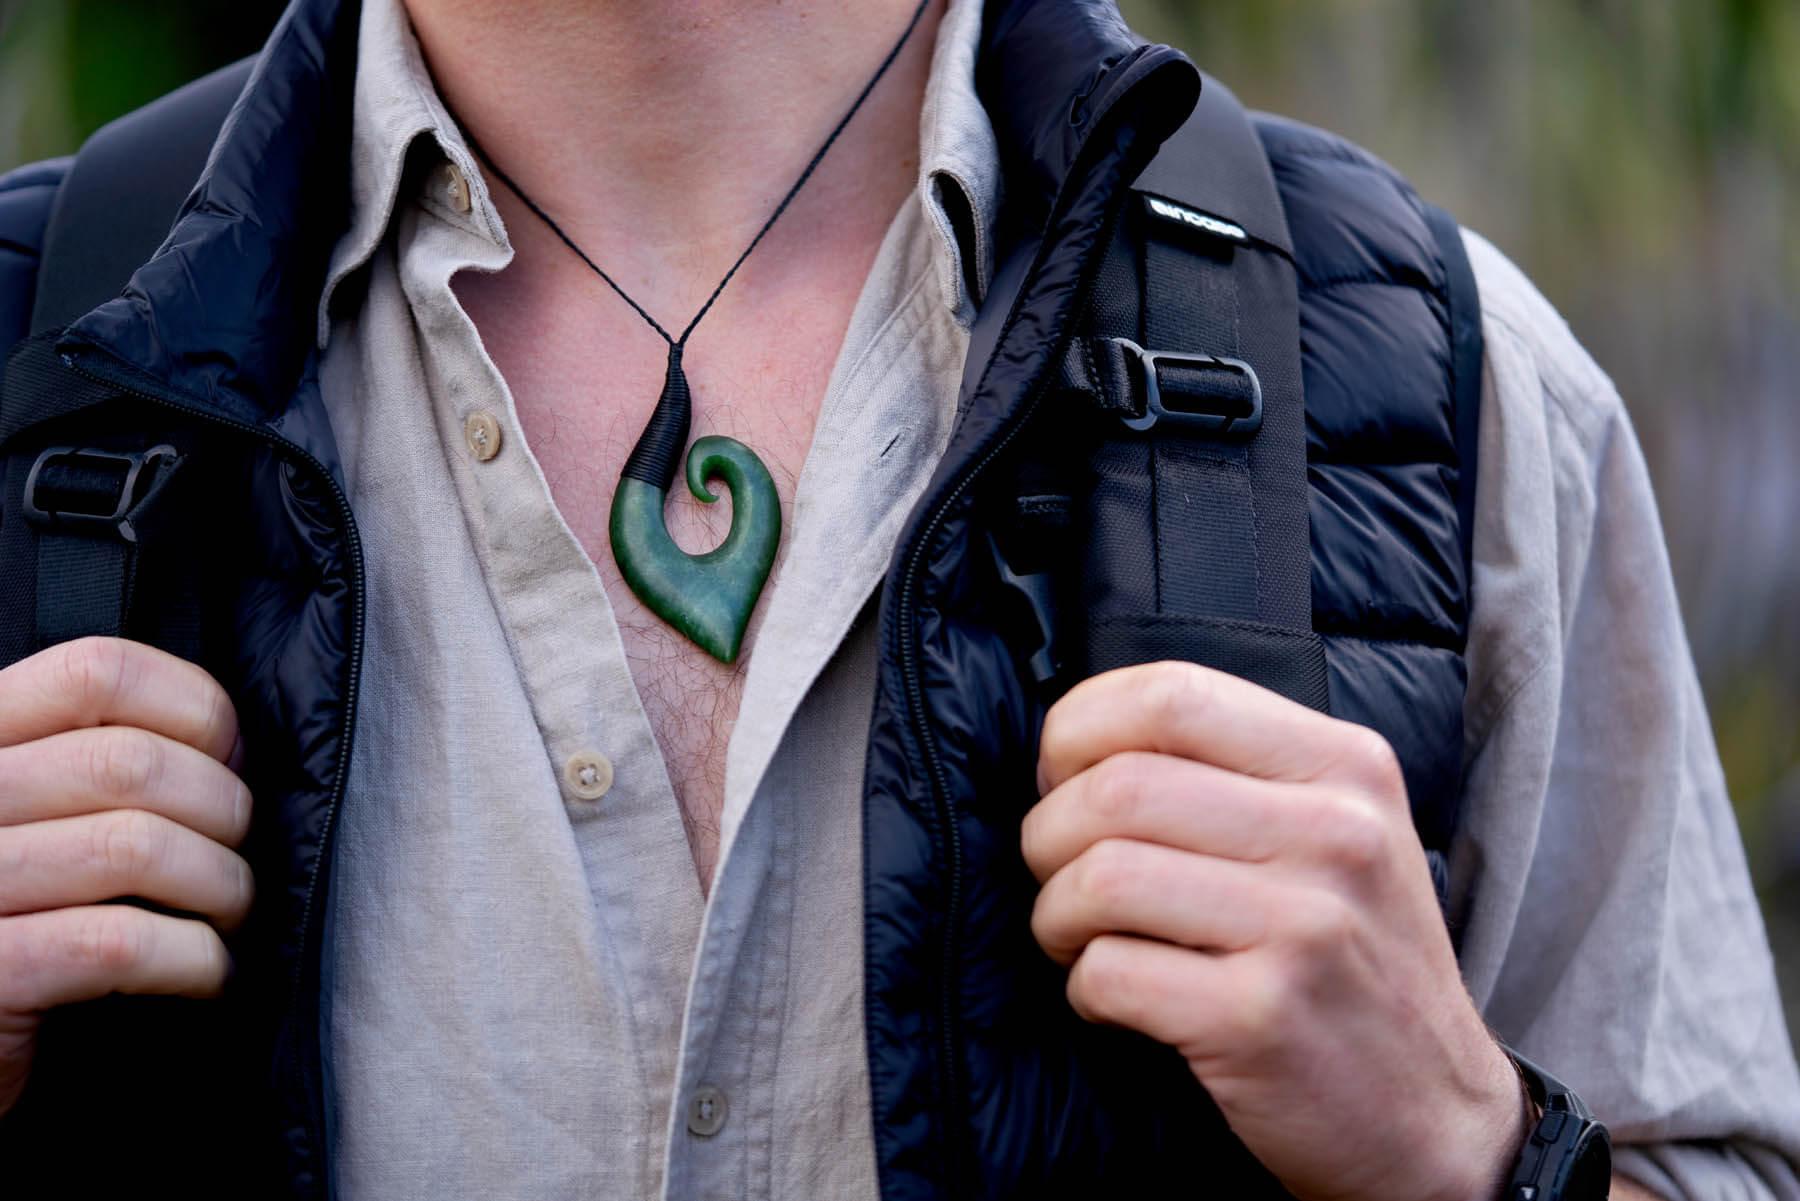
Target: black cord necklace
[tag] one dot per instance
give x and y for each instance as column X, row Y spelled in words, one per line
column 707, row 597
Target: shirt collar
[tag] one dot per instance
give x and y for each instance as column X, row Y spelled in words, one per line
column 958, row 149
column 396, row 105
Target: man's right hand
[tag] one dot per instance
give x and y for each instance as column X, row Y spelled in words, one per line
column 117, row 779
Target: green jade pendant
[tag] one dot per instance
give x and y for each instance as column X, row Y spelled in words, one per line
column 708, row 597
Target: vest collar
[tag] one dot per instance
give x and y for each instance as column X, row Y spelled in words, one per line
column 225, row 313
column 220, row 314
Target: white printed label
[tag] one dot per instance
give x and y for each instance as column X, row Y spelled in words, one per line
column 1218, row 228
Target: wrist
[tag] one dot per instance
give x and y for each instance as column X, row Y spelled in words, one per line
column 1492, row 1137
column 1528, row 1114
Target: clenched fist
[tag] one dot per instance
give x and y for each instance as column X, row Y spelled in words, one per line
column 1238, row 877
column 117, row 780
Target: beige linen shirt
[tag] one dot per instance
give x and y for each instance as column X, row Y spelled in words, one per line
column 528, row 995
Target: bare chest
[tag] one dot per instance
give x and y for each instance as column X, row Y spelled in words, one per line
column 584, row 383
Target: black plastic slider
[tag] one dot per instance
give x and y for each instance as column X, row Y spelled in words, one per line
column 94, row 492
column 1037, row 589
column 1206, row 394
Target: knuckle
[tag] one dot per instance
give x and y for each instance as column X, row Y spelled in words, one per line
column 110, row 939
column 1372, row 760
column 91, row 673
column 1322, row 927
column 1106, row 874
column 1174, row 692
column 1260, row 1017
column 123, row 762
column 1118, row 790
column 128, row 845
column 1099, row 984
column 1356, row 836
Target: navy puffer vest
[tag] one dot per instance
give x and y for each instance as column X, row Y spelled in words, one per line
column 984, row 1084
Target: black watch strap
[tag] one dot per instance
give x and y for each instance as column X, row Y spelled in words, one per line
column 1568, row 1154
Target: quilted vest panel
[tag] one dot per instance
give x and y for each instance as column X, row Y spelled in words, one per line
column 985, row 1083
column 1389, row 588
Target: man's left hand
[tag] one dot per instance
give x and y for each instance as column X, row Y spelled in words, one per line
column 1237, row 876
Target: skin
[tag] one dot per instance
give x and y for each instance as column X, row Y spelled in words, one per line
column 1237, row 876
column 665, row 202
column 1222, row 870
column 117, row 779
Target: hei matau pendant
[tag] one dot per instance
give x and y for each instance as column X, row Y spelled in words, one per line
column 707, row 597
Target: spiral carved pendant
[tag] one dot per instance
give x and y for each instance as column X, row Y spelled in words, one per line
column 708, row 597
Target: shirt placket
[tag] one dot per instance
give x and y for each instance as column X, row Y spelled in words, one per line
column 618, row 798
column 882, row 425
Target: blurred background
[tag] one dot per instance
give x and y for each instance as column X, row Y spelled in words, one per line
column 1640, row 160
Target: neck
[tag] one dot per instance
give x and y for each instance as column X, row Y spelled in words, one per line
column 666, row 131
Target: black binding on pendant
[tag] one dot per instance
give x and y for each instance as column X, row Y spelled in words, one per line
column 656, row 459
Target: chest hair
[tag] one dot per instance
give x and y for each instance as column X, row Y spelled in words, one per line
column 583, row 382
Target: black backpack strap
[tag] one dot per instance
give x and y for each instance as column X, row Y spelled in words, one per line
column 124, row 192
column 81, row 505
column 1192, row 366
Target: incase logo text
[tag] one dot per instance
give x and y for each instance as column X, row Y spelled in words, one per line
column 1217, row 227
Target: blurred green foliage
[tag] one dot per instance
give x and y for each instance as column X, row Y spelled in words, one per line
column 1640, row 158
column 69, row 66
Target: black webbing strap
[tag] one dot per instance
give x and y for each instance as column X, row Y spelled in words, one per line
column 1206, row 512
column 86, row 505
column 1208, row 421
column 34, row 396
column 84, row 588
column 76, row 514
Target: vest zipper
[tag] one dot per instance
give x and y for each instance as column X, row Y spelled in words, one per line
column 1101, row 100
column 309, row 917
column 912, row 645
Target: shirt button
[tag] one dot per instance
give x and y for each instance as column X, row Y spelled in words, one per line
column 456, row 189
column 706, row 1111
column 482, row 433
column 589, row 774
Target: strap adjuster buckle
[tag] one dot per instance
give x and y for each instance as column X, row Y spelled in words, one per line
column 1037, row 591
column 51, row 488
column 1234, row 403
